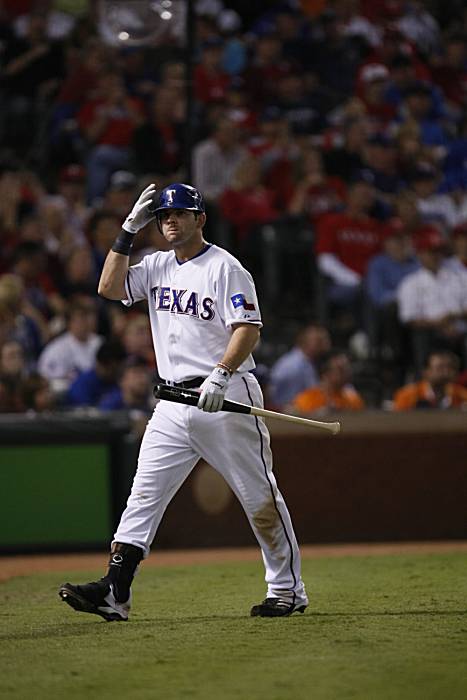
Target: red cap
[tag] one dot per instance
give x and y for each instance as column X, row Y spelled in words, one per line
column 429, row 238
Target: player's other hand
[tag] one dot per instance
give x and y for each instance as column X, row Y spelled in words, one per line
column 140, row 214
column 213, row 390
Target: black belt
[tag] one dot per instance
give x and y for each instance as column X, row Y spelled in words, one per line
column 189, row 384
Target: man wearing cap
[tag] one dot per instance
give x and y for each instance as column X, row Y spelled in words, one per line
column 121, row 192
column 439, row 209
column 381, row 159
column 371, row 87
column 419, row 106
column 433, row 300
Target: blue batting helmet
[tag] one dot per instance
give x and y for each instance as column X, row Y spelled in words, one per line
column 178, row 196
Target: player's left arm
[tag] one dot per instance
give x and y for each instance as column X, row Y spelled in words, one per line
column 242, row 342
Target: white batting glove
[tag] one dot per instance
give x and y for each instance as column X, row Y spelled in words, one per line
column 213, row 390
column 139, row 215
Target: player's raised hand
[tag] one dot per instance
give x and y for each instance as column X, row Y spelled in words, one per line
column 140, row 214
column 213, row 390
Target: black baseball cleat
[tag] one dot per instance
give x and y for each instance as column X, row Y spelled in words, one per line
column 96, row 598
column 276, row 607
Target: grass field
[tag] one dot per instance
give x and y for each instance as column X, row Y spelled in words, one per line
column 378, row 627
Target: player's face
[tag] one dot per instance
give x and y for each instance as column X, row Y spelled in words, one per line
column 181, row 227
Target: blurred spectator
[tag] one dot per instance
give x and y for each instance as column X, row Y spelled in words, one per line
column 49, row 227
column 387, row 269
column 81, row 82
column 121, row 193
column 134, row 391
column 58, row 24
column 31, row 68
column 235, row 52
column 346, row 241
column 78, row 273
column 343, row 160
column 335, row 391
column 265, row 70
column 136, row 338
column 402, row 74
column 433, row 300
column 418, row 105
column 335, row 56
column 72, row 352
column 91, row 385
column 107, row 123
column 157, row 145
column 12, row 361
column 36, row 394
column 210, row 80
column 458, row 261
column 354, row 24
column 247, row 203
column 79, row 85
column 16, row 202
column 277, row 151
column 19, row 320
column 410, row 150
column 437, row 389
column 238, row 108
column 440, row 209
column 13, row 370
column 70, row 201
column 316, row 193
column 449, row 71
column 381, row 158
column 215, row 160
column 173, row 82
column 293, row 101
column 295, row 371
column 30, row 265
column 103, row 228
column 384, row 274
column 373, row 82
column 419, row 26
column 137, row 71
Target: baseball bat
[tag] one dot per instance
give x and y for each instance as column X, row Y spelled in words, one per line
column 191, row 397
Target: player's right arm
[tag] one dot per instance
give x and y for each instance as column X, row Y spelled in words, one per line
column 115, row 270
column 112, row 280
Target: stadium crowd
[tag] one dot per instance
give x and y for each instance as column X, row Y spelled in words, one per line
column 340, row 126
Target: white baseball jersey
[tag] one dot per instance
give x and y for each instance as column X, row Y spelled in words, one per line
column 64, row 357
column 423, row 295
column 192, row 306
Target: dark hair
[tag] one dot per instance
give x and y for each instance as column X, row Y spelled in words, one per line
column 110, row 351
column 99, row 216
column 80, row 307
column 27, row 249
column 455, row 360
column 323, row 363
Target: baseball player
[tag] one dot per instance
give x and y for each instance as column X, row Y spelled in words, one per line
column 205, row 322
